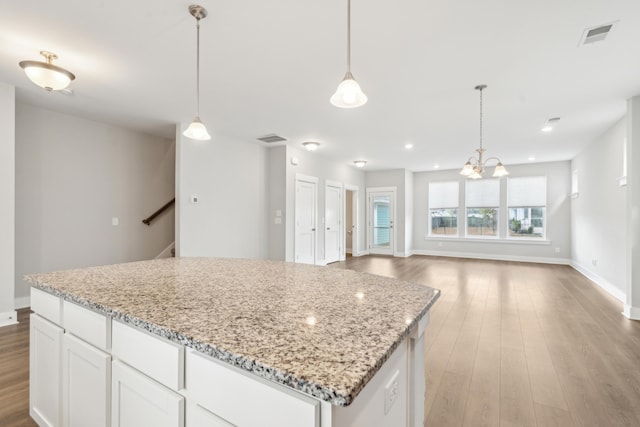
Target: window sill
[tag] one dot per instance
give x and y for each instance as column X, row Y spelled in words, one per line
column 497, row 240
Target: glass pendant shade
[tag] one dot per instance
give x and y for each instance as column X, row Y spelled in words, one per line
column 349, row 94
column 467, row 169
column 197, row 131
column 500, row 170
column 45, row 74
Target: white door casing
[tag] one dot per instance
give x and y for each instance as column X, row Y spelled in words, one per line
column 333, row 221
column 381, row 213
column 306, row 198
column 351, row 191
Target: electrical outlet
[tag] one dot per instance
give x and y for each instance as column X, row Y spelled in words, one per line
column 594, row 262
column 391, row 392
column 440, row 244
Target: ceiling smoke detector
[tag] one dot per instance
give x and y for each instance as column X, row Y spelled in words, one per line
column 595, row 34
column 270, row 139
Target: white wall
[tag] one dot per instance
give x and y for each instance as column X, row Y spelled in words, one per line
column 598, row 223
column 72, row 177
column 313, row 164
column 7, row 203
column 396, row 178
column 277, row 176
column 408, row 209
column 229, row 176
column 558, row 218
column 632, row 300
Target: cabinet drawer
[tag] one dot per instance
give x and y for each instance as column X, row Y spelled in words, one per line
column 227, row 392
column 88, row 325
column 160, row 359
column 46, row 305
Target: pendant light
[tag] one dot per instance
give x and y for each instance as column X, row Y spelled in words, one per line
column 45, row 74
column 349, row 94
column 197, row 129
column 474, row 168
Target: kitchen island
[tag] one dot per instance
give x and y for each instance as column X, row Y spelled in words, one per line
column 226, row 342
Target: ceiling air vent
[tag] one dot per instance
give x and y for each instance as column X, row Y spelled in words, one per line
column 270, row 139
column 596, row 34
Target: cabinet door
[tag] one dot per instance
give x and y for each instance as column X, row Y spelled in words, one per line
column 201, row 417
column 137, row 400
column 45, row 342
column 86, row 383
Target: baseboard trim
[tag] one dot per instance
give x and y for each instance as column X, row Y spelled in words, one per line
column 603, row 283
column 348, row 250
column 632, row 313
column 403, row 254
column 166, row 253
column 494, row 257
column 8, row 318
column 361, row 253
column 22, row 302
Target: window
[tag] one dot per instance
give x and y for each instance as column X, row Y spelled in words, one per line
column 482, row 203
column 527, row 202
column 381, row 221
column 443, row 208
column 623, row 179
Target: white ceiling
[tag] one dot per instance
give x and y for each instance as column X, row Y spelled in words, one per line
column 271, row 66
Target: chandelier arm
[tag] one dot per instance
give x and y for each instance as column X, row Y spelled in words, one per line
column 492, row 158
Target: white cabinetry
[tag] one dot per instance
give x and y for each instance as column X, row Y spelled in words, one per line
column 44, row 372
column 139, row 401
column 224, row 391
column 86, row 382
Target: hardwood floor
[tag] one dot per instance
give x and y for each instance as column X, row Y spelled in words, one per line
column 509, row 344
column 14, row 373
column 519, row 344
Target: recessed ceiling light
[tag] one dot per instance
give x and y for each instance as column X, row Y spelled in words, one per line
column 531, row 158
column 360, row 163
column 436, row 166
column 408, row 146
column 311, row 145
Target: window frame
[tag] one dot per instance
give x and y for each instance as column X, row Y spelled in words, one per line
column 543, row 237
column 497, row 209
column 456, row 208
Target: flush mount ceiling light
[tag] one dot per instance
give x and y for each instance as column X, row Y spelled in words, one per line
column 197, row 129
column 360, row 163
column 549, row 124
column 45, row 74
column 474, row 168
column 311, row 145
column 349, row 94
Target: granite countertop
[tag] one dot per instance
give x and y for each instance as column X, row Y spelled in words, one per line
column 321, row 330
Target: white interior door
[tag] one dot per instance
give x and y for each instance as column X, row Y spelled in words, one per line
column 381, row 235
column 305, row 219
column 333, row 222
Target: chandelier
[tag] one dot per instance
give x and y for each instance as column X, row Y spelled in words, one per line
column 474, row 168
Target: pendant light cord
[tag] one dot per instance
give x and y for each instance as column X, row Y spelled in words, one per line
column 480, row 119
column 349, row 36
column 198, row 67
